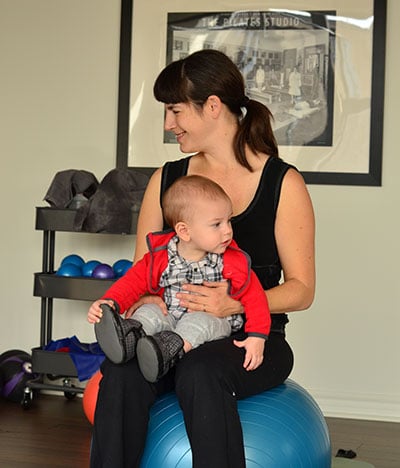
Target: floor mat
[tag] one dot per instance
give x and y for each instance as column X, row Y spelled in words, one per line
column 338, row 462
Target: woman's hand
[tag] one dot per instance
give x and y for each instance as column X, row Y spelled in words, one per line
column 147, row 299
column 95, row 313
column 210, row 297
column 254, row 347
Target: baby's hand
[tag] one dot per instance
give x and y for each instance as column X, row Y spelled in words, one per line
column 95, row 313
column 254, row 347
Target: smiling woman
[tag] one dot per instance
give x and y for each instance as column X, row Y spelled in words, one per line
column 272, row 221
column 214, row 99
column 180, row 119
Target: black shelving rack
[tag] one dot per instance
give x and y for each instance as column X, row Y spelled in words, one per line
column 48, row 286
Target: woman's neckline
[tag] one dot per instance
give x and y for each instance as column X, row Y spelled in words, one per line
column 256, row 193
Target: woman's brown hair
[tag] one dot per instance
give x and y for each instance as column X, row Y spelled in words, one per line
column 210, row 72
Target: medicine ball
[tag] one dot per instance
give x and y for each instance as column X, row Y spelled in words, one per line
column 12, row 353
column 1, row 382
column 16, row 371
column 103, row 271
column 74, row 259
column 121, row 266
column 69, row 269
column 88, row 267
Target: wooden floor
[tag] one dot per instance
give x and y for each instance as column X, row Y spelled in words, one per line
column 54, row 432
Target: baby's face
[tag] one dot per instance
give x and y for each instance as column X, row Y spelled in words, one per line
column 210, row 228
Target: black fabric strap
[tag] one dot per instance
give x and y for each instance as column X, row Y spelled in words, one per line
column 171, row 171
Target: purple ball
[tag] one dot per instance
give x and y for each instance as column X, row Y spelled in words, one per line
column 103, row 271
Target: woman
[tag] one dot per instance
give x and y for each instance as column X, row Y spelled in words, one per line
column 231, row 136
column 294, row 85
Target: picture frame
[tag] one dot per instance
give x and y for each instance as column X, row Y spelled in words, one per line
column 344, row 56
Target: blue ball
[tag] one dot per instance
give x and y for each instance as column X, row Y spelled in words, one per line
column 120, row 267
column 103, row 271
column 74, row 259
column 281, row 427
column 88, row 267
column 69, row 269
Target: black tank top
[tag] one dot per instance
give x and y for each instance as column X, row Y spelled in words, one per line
column 254, row 228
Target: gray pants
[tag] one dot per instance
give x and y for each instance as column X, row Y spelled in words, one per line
column 194, row 327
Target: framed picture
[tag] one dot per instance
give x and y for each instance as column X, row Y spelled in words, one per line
column 319, row 66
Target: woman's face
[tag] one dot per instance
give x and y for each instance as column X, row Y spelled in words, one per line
column 189, row 125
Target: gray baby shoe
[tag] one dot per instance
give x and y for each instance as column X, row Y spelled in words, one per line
column 117, row 336
column 158, row 353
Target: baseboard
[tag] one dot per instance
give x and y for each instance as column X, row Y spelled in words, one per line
column 375, row 407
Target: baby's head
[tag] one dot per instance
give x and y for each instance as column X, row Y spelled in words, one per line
column 200, row 212
column 181, row 200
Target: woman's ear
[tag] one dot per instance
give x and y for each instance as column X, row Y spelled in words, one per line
column 214, row 105
column 182, row 231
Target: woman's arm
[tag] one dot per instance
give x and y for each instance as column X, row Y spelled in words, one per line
column 150, row 220
column 150, row 216
column 294, row 232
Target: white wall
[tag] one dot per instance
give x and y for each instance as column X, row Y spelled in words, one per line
column 348, row 345
column 58, row 85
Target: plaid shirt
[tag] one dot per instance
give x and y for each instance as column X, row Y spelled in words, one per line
column 180, row 271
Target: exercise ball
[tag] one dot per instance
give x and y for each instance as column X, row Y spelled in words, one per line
column 16, row 371
column 121, row 266
column 74, row 259
column 13, row 353
column 103, row 271
column 282, row 427
column 88, row 267
column 89, row 399
column 69, row 269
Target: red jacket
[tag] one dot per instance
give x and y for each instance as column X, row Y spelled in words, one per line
column 243, row 284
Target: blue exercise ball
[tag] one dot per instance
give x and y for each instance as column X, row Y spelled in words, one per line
column 121, row 266
column 88, row 267
column 282, row 427
column 74, row 259
column 69, row 269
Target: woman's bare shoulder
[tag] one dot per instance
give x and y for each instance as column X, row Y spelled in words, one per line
column 294, row 193
column 293, row 180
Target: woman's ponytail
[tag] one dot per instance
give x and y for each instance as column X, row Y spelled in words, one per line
column 254, row 131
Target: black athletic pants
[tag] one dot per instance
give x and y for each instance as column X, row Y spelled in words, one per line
column 208, row 382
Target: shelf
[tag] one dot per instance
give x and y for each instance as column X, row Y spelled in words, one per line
column 55, row 219
column 52, row 362
column 47, row 286
column 80, row 288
